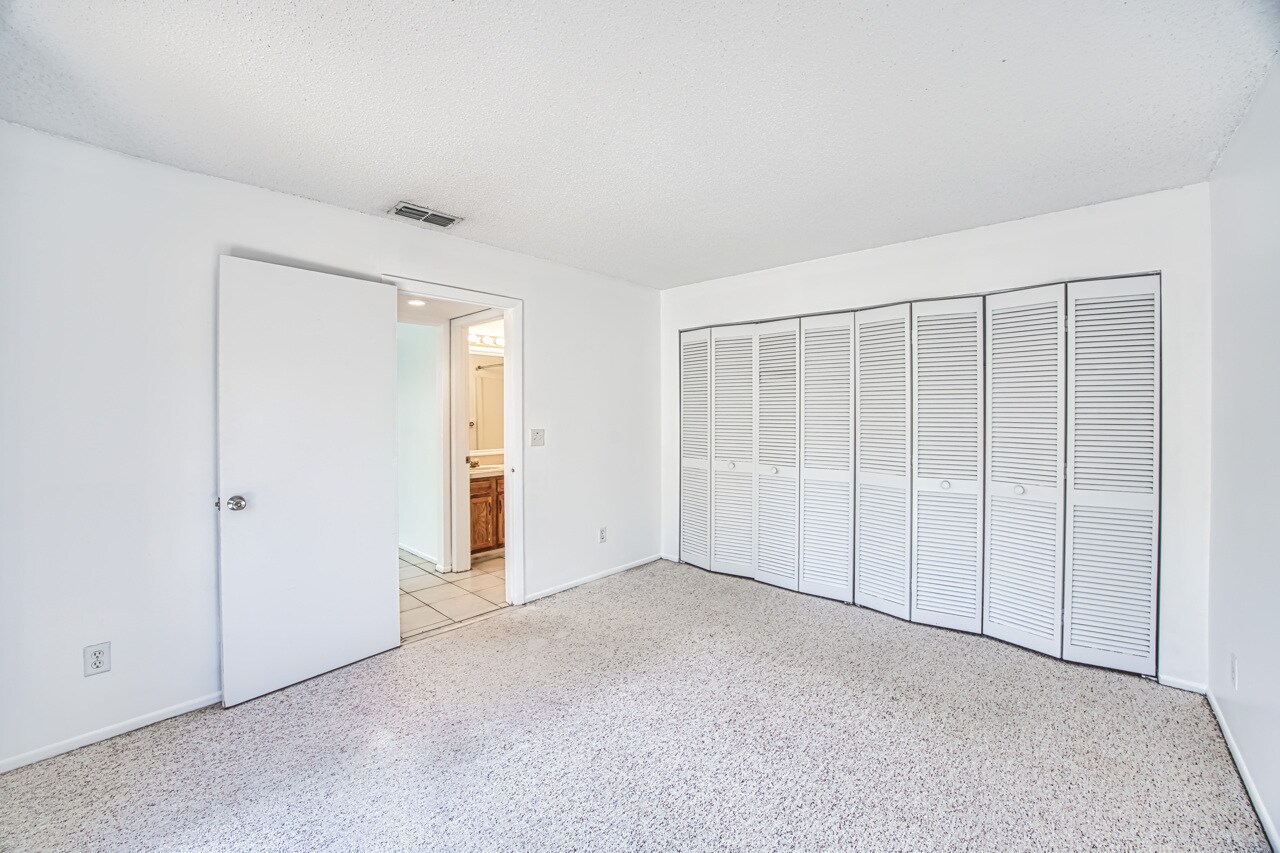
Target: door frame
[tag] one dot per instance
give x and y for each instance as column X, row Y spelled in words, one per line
column 457, row 532
column 460, row 392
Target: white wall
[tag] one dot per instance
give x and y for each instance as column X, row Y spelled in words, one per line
column 107, row 520
column 1166, row 231
column 420, row 423
column 1244, row 588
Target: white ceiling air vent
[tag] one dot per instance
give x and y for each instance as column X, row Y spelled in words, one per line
column 424, row 214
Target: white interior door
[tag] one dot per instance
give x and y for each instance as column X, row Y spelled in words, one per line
column 1113, row 472
column 777, row 451
column 733, row 430
column 946, row 549
column 695, row 448
column 307, row 440
column 1026, row 386
column 826, row 452
column 883, row 452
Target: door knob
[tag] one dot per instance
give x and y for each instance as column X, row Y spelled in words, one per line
column 1019, row 490
column 774, row 470
column 236, row 503
column 730, row 465
column 945, row 484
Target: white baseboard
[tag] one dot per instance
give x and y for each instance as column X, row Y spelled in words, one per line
column 421, row 554
column 1267, row 825
column 1183, row 684
column 597, row 576
column 120, row 728
column 668, row 557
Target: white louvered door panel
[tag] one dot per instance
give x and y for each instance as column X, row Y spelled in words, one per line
column 1026, row 398
column 733, row 440
column 695, row 448
column 882, row 471
column 826, row 452
column 948, row 384
column 777, row 452
column 1113, row 472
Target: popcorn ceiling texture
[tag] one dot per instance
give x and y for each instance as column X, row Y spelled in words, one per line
column 661, row 141
column 664, row 708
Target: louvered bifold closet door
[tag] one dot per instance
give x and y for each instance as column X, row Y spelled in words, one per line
column 695, row 448
column 1026, row 385
column 882, row 473
column 946, row 542
column 777, row 452
column 733, row 445
column 1113, row 472
column 826, row 453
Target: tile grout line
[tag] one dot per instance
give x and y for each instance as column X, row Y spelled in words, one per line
column 495, row 606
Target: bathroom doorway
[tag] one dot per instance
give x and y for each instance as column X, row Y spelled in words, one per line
column 456, row 477
column 484, row 388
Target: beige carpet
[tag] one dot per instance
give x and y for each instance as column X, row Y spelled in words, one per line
column 664, row 708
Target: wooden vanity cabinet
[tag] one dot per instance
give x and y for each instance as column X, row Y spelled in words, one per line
column 488, row 517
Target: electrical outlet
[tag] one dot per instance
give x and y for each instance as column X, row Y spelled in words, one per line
column 97, row 659
column 604, row 534
column 1235, row 672
column 537, row 438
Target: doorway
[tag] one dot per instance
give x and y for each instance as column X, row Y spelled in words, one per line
column 456, row 477
column 483, row 386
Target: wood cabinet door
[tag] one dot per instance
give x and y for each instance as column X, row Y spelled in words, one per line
column 487, row 516
column 483, row 528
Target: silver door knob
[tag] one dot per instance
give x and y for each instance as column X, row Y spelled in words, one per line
column 945, row 484
column 1019, row 490
column 730, row 465
column 236, row 503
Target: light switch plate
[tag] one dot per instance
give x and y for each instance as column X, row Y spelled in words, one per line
column 537, row 438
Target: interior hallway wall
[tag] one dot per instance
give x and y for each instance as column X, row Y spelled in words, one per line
column 107, row 449
column 420, row 427
column 1244, row 581
column 1166, row 231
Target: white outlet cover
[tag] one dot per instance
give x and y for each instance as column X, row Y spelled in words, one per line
column 97, row 659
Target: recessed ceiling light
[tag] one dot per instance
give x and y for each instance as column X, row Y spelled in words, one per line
column 416, row 302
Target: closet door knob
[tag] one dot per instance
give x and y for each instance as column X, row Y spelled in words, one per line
column 774, row 470
column 236, row 503
column 730, row 465
column 1019, row 490
column 945, row 484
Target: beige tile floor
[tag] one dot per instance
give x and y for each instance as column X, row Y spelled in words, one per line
column 432, row 601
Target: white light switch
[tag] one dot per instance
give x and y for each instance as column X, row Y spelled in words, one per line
column 537, row 438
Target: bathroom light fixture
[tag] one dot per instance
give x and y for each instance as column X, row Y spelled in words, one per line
column 484, row 344
column 416, row 302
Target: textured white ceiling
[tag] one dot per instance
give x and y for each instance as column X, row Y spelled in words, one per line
column 661, row 141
